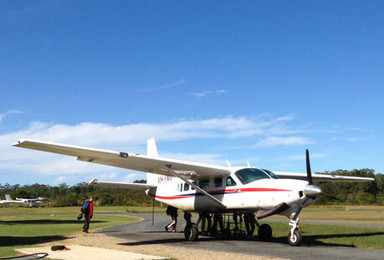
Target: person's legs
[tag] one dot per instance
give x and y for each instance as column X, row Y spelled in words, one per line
column 86, row 223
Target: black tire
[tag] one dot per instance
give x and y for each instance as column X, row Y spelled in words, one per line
column 191, row 233
column 265, row 232
column 213, row 232
column 296, row 239
column 55, row 248
column 227, row 233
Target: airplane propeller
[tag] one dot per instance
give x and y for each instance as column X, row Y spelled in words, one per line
column 310, row 190
column 309, row 173
column 313, row 190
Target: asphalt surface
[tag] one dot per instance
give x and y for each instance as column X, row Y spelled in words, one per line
column 143, row 233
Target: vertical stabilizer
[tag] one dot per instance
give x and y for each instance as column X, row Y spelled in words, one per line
column 8, row 197
column 152, row 151
column 151, row 147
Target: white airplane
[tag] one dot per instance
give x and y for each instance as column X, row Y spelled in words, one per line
column 28, row 202
column 204, row 188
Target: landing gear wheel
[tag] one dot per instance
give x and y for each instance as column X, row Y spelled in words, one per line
column 295, row 240
column 213, row 232
column 265, row 232
column 191, row 233
column 227, row 233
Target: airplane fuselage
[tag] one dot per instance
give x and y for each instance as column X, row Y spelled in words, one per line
column 232, row 192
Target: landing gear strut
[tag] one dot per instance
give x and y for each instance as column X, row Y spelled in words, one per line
column 295, row 236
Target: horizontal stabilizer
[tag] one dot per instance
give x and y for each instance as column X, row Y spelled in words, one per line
column 122, row 185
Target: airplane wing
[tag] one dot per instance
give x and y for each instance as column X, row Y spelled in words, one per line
column 122, row 185
column 322, row 177
column 142, row 163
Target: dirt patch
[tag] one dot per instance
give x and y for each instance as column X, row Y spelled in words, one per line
column 99, row 240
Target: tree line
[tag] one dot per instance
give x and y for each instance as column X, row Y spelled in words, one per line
column 63, row 195
column 365, row 193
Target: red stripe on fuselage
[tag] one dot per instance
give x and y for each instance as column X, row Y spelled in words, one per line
column 222, row 191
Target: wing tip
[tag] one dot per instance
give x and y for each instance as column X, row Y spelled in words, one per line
column 94, row 181
column 18, row 142
column 21, row 141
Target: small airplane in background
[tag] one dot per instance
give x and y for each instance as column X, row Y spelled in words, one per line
column 28, row 202
column 204, row 188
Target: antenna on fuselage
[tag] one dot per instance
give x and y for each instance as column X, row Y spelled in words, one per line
column 249, row 165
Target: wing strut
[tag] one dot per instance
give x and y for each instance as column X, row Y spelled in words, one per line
column 195, row 186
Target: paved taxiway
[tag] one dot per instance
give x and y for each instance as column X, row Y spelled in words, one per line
column 143, row 233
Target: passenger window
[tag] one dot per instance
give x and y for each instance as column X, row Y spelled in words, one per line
column 230, row 181
column 186, row 186
column 218, row 182
column 179, row 187
column 195, row 183
column 204, row 184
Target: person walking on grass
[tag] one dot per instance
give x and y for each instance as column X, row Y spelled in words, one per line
column 87, row 210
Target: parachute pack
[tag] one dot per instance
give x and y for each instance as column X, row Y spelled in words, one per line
column 85, row 208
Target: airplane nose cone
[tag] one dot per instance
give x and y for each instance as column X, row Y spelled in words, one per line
column 312, row 190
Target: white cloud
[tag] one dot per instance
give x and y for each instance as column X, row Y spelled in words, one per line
column 209, row 93
column 60, row 179
column 352, row 139
column 166, row 86
column 10, row 112
column 279, row 141
column 301, row 157
column 101, row 135
column 213, row 159
column 130, row 177
column 132, row 138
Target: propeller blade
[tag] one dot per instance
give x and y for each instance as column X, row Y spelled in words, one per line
column 309, row 173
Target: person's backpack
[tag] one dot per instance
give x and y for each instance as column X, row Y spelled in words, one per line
column 85, row 208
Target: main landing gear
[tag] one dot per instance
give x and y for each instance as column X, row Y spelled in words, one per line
column 191, row 232
column 265, row 232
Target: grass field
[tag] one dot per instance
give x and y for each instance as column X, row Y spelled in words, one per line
column 21, row 227
column 362, row 214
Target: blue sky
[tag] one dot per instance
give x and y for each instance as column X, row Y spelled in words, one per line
column 256, row 81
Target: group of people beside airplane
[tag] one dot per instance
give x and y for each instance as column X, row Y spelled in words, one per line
column 209, row 228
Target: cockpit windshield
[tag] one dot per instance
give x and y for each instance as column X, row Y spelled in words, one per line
column 252, row 174
column 273, row 175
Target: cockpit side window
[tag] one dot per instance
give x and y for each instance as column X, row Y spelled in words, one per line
column 230, row 181
column 251, row 174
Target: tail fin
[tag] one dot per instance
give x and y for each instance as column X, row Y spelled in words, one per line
column 152, row 151
column 8, row 197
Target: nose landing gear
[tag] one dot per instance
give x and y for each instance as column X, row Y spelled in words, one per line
column 295, row 236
